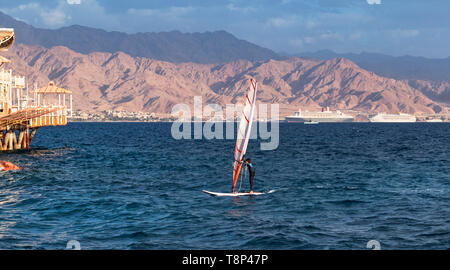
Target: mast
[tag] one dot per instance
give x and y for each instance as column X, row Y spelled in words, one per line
column 243, row 133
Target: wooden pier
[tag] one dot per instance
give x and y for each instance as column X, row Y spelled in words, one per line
column 21, row 115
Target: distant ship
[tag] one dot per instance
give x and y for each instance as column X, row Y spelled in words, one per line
column 393, row 118
column 325, row 116
column 436, row 120
column 311, row 123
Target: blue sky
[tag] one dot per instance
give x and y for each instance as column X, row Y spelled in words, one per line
column 394, row 27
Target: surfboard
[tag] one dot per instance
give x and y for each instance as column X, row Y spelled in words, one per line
column 233, row 194
column 237, row 194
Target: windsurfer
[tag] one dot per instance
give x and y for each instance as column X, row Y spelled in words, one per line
column 251, row 169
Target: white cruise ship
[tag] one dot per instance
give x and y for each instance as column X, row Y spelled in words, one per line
column 392, row 118
column 325, row 116
column 435, row 120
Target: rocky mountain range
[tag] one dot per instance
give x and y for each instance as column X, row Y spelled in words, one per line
column 153, row 71
column 431, row 76
column 398, row 67
column 102, row 81
column 176, row 47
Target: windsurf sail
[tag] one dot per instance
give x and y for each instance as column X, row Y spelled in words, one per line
column 243, row 133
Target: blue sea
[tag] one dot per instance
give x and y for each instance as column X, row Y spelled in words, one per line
column 132, row 186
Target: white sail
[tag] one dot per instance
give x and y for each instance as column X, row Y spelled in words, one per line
column 243, row 133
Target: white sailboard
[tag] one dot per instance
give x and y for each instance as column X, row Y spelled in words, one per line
column 233, row 194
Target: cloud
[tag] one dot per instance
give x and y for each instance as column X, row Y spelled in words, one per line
column 54, row 17
column 278, row 22
column 355, row 35
column 232, row 7
column 297, row 43
column 73, row 2
column 309, row 40
column 302, row 42
column 310, row 24
column 332, row 36
column 42, row 14
column 49, row 17
column 164, row 19
column 283, row 21
column 374, row 2
column 169, row 12
column 404, row 33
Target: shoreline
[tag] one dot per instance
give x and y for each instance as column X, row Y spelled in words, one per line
column 282, row 121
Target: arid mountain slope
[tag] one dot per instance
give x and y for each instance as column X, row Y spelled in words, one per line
column 401, row 67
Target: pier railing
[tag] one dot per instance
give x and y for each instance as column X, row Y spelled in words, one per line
column 26, row 122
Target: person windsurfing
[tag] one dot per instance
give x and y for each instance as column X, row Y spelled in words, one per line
column 251, row 170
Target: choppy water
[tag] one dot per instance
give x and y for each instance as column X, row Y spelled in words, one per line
column 131, row 186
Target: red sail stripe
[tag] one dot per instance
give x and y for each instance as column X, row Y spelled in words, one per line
column 246, row 118
column 254, row 86
column 249, row 100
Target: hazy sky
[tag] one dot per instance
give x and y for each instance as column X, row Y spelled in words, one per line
column 395, row 27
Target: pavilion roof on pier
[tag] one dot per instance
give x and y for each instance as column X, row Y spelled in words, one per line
column 51, row 88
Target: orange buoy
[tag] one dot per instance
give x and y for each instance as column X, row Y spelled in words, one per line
column 6, row 166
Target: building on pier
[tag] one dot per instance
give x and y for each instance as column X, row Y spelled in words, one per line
column 21, row 114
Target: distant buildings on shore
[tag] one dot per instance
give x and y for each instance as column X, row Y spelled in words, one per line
column 111, row 115
column 122, row 115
